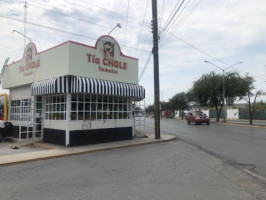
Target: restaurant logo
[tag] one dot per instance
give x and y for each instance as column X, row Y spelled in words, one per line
column 30, row 63
column 108, row 50
column 109, row 61
column 29, row 55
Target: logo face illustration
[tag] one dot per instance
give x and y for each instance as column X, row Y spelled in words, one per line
column 29, row 55
column 108, row 50
column 31, row 61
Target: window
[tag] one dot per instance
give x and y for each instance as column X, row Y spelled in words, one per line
column 20, row 110
column 100, row 107
column 55, row 107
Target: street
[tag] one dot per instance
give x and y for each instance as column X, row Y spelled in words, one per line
column 243, row 146
column 168, row 170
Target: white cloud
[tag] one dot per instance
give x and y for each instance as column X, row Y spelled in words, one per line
column 230, row 30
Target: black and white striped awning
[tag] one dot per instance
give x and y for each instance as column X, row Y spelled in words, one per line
column 76, row 84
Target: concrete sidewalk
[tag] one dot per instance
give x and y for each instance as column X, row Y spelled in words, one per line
column 241, row 122
column 58, row 151
column 255, row 123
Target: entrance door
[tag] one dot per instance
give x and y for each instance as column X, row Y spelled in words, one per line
column 38, row 115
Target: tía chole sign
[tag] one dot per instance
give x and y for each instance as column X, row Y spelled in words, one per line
column 107, row 62
column 30, row 61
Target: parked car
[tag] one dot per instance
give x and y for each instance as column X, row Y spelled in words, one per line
column 6, row 129
column 197, row 117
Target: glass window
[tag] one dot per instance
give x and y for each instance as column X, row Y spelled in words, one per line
column 100, row 107
column 20, row 110
column 55, row 107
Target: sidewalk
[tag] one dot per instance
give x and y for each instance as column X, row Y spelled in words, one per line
column 59, row 151
column 259, row 123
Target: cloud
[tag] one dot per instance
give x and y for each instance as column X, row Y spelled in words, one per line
column 230, row 30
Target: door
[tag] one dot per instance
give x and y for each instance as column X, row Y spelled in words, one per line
column 38, row 125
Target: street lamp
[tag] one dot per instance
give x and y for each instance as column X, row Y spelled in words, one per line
column 223, row 81
column 22, row 35
column 117, row 25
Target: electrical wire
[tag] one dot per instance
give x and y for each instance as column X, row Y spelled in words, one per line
column 145, row 66
column 192, row 8
column 171, row 25
column 59, row 30
column 172, row 18
column 142, row 25
column 126, row 22
column 161, row 15
column 76, row 18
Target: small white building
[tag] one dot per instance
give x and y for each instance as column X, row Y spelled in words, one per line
column 73, row 94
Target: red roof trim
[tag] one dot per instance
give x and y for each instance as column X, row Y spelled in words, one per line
column 77, row 43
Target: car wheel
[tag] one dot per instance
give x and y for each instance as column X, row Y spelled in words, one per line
column 188, row 122
column 208, row 123
column 1, row 137
column 196, row 123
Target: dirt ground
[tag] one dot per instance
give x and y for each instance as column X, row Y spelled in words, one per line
column 5, row 147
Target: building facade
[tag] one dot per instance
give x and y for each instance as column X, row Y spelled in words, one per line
column 73, row 94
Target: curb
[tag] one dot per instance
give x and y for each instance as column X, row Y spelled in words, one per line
column 244, row 125
column 56, row 153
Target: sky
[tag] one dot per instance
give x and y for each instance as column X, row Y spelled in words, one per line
column 221, row 32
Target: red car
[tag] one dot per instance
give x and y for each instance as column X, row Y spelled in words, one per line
column 197, row 117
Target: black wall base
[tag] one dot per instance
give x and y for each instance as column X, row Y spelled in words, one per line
column 54, row 136
column 23, row 135
column 85, row 137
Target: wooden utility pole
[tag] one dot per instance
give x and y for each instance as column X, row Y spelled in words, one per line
column 156, row 70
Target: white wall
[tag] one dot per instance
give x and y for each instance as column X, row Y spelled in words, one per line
column 232, row 114
column 88, row 125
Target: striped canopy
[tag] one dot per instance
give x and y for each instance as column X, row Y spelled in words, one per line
column 76, row 84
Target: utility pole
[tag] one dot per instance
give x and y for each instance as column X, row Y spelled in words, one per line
column 25, row 22
column 156, row 70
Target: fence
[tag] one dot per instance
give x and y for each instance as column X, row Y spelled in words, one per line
column 258, row 114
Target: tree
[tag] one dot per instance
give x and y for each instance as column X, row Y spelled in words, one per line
column 149, row 109
column 165, row 105
column 208, row 90
column 179, row 102
column 249, row 94
column 261, row 105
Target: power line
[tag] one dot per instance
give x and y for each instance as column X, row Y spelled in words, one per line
column 179, row 15
column 161, row 18
column 76, row 18
column 171, row 19
column 59, row 30
column 142, row 25
column 192, row 8
column 126, row 22
column 193, row 46
column 145, row 66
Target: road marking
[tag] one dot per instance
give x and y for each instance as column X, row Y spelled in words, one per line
column 253, row 174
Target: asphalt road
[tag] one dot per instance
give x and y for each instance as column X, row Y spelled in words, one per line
column 245, row 146
column 163, row 171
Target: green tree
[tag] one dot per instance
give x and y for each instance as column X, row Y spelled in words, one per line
column 208, row 90
column 261, row 105
column 165, row 105
column 250, row 93
column 149, row 109
column 179, row 102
